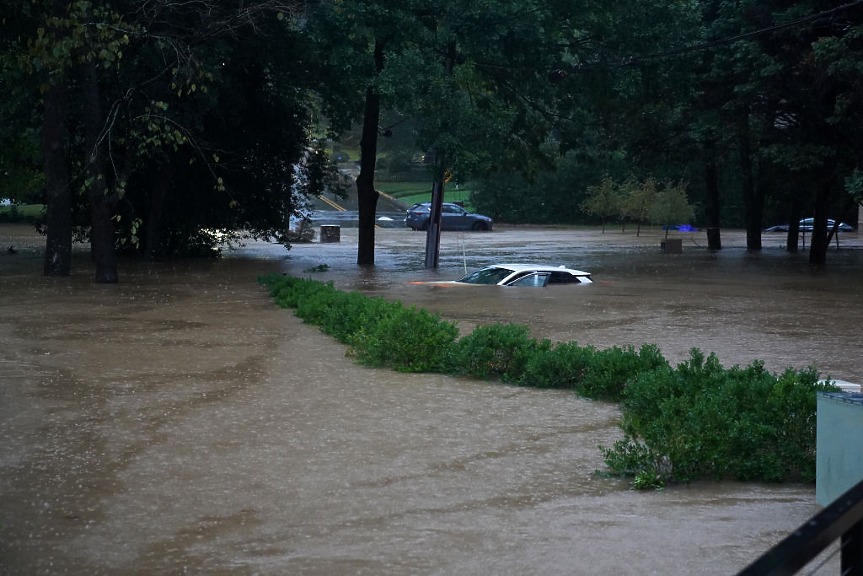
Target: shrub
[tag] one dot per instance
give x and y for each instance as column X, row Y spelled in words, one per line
column 314, row 305
column 288, row 290
column 499, row 350
column 702, row 420
column 562, row 366
column 407, row 339
column 610, row 370
column 354, row 313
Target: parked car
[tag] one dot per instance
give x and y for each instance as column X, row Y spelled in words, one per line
column 807, row 224
column 453, row 217
column 526, row 275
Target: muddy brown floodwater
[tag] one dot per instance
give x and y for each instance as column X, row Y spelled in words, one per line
column 179, row 422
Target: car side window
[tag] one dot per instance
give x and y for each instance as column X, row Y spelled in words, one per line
column 538, row 279
column 450, row 210
column 563, row 278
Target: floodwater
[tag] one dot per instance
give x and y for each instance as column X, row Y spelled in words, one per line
column 179, row 422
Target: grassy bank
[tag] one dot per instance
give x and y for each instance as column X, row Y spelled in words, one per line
column 22, row 213
column 413, row 192
column 694, row 420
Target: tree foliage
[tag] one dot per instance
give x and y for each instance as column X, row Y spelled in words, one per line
column 670, row 207
column 184, row 119
column 605, row 200
column 163, row 122
column 638, row 200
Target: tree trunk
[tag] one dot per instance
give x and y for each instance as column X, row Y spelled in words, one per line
column 754, row 204
column 432, row 252
column 367, row 196
column 793, row 238
column 834, row 230
column 153, row 237
column 101, row 202
column 58, row 240
column 818, row 241
column 711, row 211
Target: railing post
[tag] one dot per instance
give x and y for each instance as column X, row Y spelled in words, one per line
column 852, row 551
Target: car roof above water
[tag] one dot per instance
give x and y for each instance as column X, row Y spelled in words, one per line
column 539, row 268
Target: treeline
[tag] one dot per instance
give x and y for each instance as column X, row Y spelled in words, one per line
column 695, row 420
column 166, row 127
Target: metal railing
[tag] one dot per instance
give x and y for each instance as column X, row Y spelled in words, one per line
column 842, row 520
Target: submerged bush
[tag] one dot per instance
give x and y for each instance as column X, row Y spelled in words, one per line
column 407, row 339
column 380, row 333
column 696, row 420
column 700, row 420
column 342, row 315
column 562, row 366
column 499, row 351
column 288, row 291
column 611, row 370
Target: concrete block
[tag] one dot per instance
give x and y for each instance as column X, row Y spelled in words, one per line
column 672, row 246
column 331, row 233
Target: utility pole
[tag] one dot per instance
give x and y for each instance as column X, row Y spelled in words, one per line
column 433, row 232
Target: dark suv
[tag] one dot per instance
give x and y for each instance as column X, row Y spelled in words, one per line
column 453, row 217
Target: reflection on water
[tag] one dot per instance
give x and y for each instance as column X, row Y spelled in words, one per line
column 179, row 421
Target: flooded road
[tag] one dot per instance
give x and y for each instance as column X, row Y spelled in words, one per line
column 179, row 422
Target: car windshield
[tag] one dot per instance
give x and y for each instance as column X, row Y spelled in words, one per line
column 491, row 275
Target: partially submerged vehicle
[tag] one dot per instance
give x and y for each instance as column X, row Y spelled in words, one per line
column 526, row 275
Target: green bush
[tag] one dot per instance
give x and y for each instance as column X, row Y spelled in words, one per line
column 407, row 339
column 355, row 313
column 702, row 420
column 288, row 290
column 562, row 366
column 612, row 369
column 500, row 351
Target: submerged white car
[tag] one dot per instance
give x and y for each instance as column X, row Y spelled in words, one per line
column 526, row 275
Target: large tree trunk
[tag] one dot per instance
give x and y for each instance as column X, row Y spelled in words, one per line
column 101, row 202
column 819, row 241
column 432, row 252
column 711, row 212
column 751, row 194
column 793, row 238
column 58, row 241
column 153, row 235
column 367, row 196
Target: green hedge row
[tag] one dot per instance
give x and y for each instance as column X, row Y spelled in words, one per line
column 692, row 421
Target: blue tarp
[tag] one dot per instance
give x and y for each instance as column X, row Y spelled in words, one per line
column 682, row 228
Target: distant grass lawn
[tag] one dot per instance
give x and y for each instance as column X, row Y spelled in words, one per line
column 401, row 189
column 413, row 192
column 21, row 213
